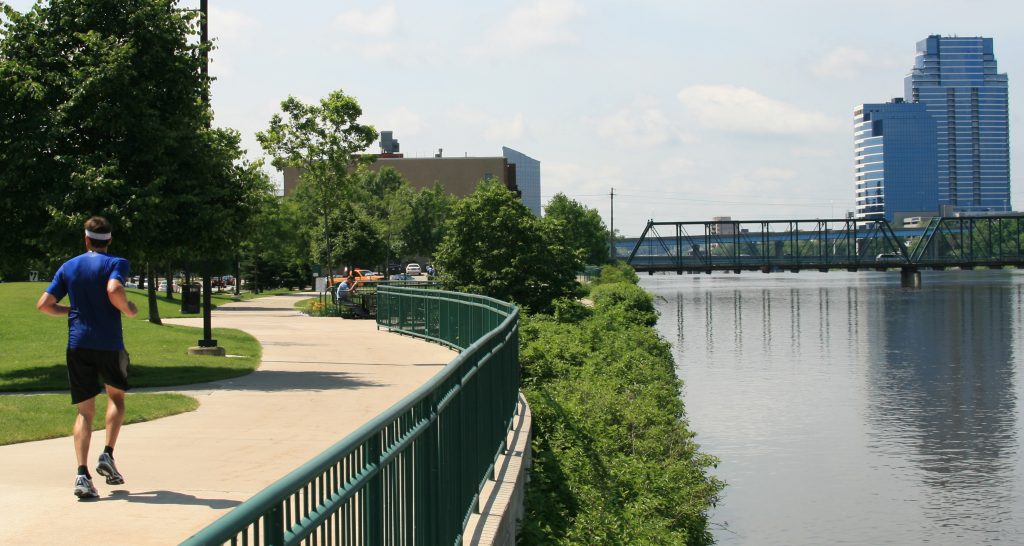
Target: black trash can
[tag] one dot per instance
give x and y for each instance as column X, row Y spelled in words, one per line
column 190, row 298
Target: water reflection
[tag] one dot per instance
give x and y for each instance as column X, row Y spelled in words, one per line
column 847, row 410
column 942, row 385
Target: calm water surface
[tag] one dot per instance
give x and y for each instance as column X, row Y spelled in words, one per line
column 848, row 410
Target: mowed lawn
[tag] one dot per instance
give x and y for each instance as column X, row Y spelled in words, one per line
column 32, row 358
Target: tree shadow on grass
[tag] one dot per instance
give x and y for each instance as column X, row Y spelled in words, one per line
column 36, row 378
column 168, row 497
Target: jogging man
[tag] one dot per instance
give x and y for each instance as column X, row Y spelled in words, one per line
column 94, row 284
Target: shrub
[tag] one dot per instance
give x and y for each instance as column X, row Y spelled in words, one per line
column 614, row 460
column 615, row 273
column 635, row 302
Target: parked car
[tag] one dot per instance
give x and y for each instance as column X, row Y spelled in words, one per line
column 401, row 277
column 413, row 269
column 889, row 257
column 367, row 275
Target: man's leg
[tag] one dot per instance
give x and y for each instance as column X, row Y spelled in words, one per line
column 115, row 418
column 83, row 429
column 115, row 413
column 83, row 433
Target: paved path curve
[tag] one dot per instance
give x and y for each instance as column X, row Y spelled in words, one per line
column 321, row 378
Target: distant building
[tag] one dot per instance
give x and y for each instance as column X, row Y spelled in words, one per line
column 459, row 176
column 723, row 225
column 958, row 82
column 527, row 177
column 896, row 165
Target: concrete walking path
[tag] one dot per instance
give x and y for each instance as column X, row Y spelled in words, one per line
column 320, row 379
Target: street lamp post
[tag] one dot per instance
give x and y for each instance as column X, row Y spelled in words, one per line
column 207, row 345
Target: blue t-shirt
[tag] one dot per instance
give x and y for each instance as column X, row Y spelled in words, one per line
column 94, row 323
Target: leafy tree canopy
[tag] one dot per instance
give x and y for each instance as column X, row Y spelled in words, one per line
column 429, row 210
column 495, row 246
column 101, row 112
column 324, row 140
column 581, row 229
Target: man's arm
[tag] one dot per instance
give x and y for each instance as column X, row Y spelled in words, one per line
column 48, row 305
column 115, row 291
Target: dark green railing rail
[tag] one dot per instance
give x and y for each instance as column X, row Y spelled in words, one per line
column 412, row 475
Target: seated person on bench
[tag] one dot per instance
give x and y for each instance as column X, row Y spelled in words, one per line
column 344, row 296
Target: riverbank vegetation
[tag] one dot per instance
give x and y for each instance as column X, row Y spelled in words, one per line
column 614, row 460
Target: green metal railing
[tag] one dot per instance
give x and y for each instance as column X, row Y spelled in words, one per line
column 413, row 474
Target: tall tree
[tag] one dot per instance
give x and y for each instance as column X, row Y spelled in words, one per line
column 580, row 228
column 103, row 119
column 323, row 140
column 495, row 246
column 425, row 230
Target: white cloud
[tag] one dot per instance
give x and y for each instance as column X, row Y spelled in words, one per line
column 496, row 129
column 539, row 23
column 843, row 62
column 581, row 182
column 402, row 121
column 738, row 109
column 809, row 152
column 675, row 167
column 642, row 125
column 379, row 22
column 231, row 27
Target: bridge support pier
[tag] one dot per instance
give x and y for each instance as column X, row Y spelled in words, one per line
column 910, row 277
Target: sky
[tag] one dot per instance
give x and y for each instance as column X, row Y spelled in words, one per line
column 689, row 109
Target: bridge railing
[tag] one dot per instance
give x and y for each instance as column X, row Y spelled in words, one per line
column 966, row 241
column 413, row 474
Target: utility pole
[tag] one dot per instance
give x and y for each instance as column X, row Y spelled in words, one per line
column 611, row 232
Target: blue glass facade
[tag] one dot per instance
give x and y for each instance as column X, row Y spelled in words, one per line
column 527, row 177
column 958, row 82
column 896, row 161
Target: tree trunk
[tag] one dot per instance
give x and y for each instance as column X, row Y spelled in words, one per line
column 154, row 313
column 170, row 284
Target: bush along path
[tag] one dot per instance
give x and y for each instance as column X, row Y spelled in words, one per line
column 614, row 460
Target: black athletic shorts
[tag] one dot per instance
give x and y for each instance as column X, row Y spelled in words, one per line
column 85, row 366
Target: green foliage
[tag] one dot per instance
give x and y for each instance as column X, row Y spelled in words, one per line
column 614, row 461
column 580, row 228
column 633, row 302
column 275, row 252
column 42, row 416
column 495, row 246
column 323, row 140
column 101, row 114
column 425, row 229
column 616, row 272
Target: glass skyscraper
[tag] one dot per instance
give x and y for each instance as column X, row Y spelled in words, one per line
column 527, row 177
column 896, row 167
column 957, row 81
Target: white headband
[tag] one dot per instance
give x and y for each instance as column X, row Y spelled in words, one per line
column 97, row 236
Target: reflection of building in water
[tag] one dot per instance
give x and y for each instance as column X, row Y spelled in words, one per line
column 942, row 384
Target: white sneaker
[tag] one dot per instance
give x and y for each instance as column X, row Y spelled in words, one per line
column 84, row 488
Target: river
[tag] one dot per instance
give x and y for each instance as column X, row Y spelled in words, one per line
column 848, row 410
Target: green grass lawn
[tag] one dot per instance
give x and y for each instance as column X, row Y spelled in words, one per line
column 26, row 418
column 32, row 349
column 171, row 308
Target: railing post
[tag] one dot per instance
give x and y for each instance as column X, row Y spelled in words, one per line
column 374, row 508
column 273, row 526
